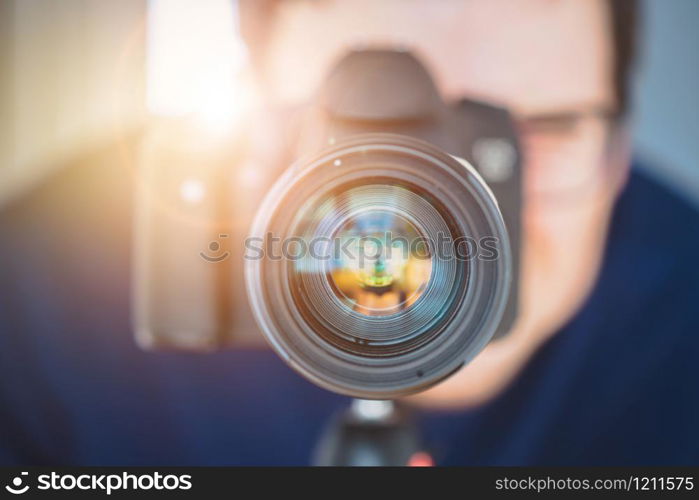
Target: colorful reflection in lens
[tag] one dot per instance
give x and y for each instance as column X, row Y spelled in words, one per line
column 383, row 265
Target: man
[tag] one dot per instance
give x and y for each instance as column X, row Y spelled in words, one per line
column 600, row 368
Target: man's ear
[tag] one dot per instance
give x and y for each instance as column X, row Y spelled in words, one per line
column 619, row 156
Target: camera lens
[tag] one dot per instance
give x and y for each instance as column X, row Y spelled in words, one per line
column 361, row 286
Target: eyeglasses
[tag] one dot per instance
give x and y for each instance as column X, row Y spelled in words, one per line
column 566, row 153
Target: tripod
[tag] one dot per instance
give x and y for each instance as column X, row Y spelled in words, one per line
column 371, row 433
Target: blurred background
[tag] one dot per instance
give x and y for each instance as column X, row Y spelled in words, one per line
column 77, row 73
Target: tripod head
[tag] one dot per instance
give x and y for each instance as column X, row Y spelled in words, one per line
column 371, row 433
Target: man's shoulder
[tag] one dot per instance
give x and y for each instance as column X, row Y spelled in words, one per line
column 650, row 274
column 654, row 220
column 651, row 204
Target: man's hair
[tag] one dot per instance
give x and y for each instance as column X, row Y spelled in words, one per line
column 624, row 21
column 624, row 17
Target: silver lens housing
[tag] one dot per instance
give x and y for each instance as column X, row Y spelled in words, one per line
column 388, row 361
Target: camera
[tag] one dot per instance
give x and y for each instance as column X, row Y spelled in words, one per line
column 377, row 264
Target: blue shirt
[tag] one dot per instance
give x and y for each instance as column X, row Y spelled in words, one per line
column 618, row 385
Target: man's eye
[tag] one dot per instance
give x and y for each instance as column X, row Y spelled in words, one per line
column 563, row 124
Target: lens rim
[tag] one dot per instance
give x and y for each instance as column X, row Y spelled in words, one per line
column 468, row 327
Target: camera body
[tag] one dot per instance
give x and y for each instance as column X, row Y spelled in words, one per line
column 193, row 216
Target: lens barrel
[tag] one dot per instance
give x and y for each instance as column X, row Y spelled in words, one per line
column 371, row 281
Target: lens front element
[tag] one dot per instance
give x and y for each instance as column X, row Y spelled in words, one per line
column 379, row 289
column 385, row 263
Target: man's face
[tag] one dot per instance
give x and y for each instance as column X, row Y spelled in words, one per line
column 550, row 62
